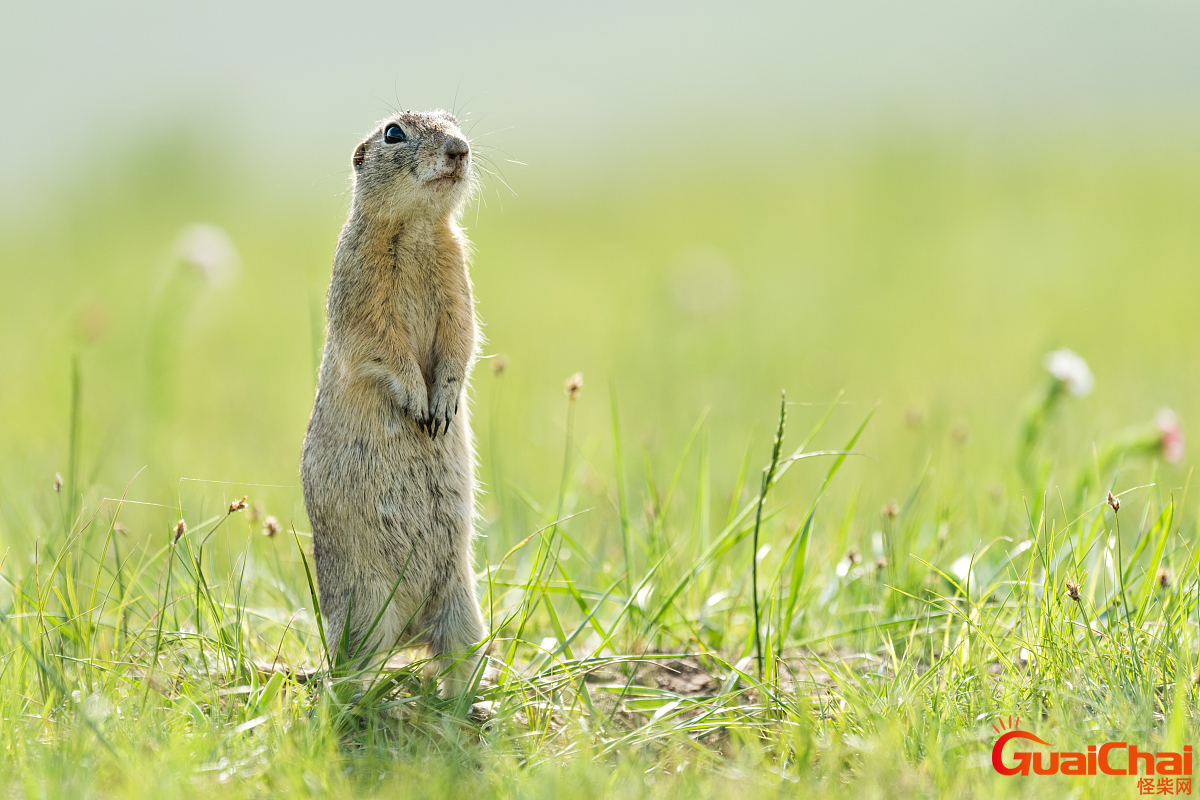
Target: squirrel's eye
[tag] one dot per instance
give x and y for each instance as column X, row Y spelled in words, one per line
column 393, row 134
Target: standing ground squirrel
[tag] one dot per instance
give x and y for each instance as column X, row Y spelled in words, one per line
column 389, row 463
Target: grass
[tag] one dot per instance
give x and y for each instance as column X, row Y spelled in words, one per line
column 692, row 586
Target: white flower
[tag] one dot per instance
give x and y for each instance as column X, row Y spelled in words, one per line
column 209, row 251
column 1069, row 368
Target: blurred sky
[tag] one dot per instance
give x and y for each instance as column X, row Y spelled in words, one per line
column 557, row 84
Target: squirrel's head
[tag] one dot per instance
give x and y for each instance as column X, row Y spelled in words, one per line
column 413, row 163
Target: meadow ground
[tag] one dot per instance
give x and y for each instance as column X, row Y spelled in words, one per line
column 688, row 594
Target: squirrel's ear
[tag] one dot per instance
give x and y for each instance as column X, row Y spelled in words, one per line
column 360, row 154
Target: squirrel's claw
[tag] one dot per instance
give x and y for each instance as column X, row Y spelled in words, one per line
column 442, row 408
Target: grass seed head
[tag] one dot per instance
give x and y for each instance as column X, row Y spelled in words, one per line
column 1114, row 502
column 499, row 363
column 854, row 557
column 91, row 322
column 180, row 530
column 58, row 482
column 237, row 505
column 1073, row 591
column 121, row 529
column 891, row 510
column 574, row 385
column 881, row 564
column 1164, row 578
column 960, row 434
column 271, row 527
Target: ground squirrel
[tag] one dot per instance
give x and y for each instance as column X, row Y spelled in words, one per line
column 388, row 463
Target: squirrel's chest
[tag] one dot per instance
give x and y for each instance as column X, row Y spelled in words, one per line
column 414, row 309
column 416, row 298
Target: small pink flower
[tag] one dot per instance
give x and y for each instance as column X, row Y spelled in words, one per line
column 1170, row 431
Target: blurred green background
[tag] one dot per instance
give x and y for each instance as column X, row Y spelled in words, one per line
column 909, row 205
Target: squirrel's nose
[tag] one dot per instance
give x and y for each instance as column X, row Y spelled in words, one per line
column 456, row 149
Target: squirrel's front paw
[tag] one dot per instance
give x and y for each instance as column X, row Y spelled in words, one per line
column 442, row 408
column 417, row 406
